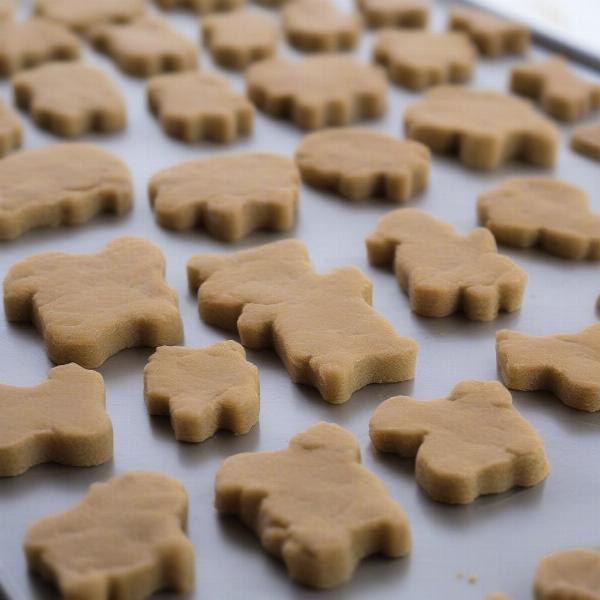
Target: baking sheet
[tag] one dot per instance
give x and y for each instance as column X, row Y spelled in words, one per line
column 498, row 539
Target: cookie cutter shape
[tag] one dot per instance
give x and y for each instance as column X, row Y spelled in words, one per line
column 230, row 196
column 395, row 13
column 361, row 163
column 123, row 541
column 203, row 389
column 544, row 212
column 91, row 306
column 62, row 420
column 564, row 364
column 195, row 106
column 569, row 575
column 72, row 184
column 444, row 272
column 323, row 327
column 11, row 131
column 586, row 140
column 471, row 443
column 484, row 128
column 318, row 91
column 291, row 498
column 421, row 59
column 201, row 6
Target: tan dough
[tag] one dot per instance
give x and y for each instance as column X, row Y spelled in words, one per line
column 444, row 272
column 29, row 43
column 319, row 91
column 72, row 184
column 145, row 47
column 62, row 420
column 484, row 128
column 91, row 306
column 497, row 596
column 240, row 38
column 420, row 59
column 11, row 132
column 586, row 140
column 323, row 327
column 201, row 6
column 319, row 26
column 569, row 575
column 536, row 211
column 395, row 13
column 70, row 99
column 564, row 364
column 361, row 163
column 492, row 35
column 471, row 443
column 123, row 541
column 196, row 106
column 297, row 502
column 203, row 389
column 6, row 10
column 230, row 196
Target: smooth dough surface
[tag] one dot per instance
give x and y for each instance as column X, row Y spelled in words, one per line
column 569, row 575
column 395, row 13
column 586, row 140
column 11, row 131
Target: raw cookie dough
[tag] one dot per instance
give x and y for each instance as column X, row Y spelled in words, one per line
column 484, row 128
column 319, row 26
column 91, row 306
column 145, row 47
column 229, row 195
column 201, row 6
column 564, row 364
column 29, row 43
column 569, row 575
column 362, row 163
column 471, row 443
column 203, row 389
column 323, row 327
column 72, row 184
column 70, row 99
column 6, row 10
column 492, row 35
column 561, row 92
column 196, row 106
column 586, row 140
column 123, row 541
column 444, row 272
column 11, row 132
column 395, row 13
column 544, row 212
column 319, row 91
column 293, row 500
column 239, row 38
column 420, row 59
column 62, row 420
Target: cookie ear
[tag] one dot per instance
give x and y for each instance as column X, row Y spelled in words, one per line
column 201, row 267
column 328, row 437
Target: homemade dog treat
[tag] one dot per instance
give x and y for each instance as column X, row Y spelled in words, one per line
column 484, row 128
column 322, row 326
column 420, row 59
column 11, row 132
column 318, row 91
column 72, row 184
column 203, row 389
column 145, row 47
column 361, row 163
column 123, row 541
column 492, row 35
column 318, row 26
column 230, row 196
column 196, row 106
column 569, row 575
column 586, row 140
column 444, row 272
column 62, row 420
column 561, row 92
column 394, row 13
column 91, row 306
column 70, row 99
column 564, row 364
column 239, row 38
column 201, row 6
column 29, row 43
column 536, row 211
column 473, row 442
column 291, row 498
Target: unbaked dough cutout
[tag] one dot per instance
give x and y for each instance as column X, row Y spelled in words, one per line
column 230, row 196
column 11, row 131
column 444, row 272
column 360, row 164
column 62, row 420
column 90, row 306
column 7, row 10
column 318, row 91
column 123, row 541
column 586, row 140
column 471, row 443
column 569, row 575
column 201, row 6
column 323, row 327
column 292, row 499
column 395, row 13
